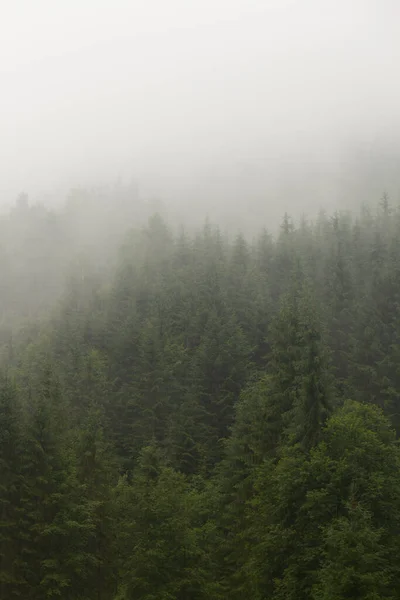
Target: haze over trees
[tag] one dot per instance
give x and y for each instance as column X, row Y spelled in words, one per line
column 239, row 109
column 190, row 415
column 199, row 367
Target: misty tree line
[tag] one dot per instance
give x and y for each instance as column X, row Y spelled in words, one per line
column 203, row 417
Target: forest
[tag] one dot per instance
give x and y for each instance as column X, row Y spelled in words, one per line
column 188, row 414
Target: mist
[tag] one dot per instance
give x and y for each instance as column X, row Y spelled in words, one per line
column 199, row 299
column 238, row 109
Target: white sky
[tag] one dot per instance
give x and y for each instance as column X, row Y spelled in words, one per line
column 35, row 29
column 166, row 88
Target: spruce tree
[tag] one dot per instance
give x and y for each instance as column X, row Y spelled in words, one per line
column 10, row 485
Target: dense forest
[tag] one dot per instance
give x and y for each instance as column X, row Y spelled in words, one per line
column 188, row 415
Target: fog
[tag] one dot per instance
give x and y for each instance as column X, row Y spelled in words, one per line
column 238, row 108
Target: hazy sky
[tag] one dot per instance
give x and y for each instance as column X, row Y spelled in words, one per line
column 186, row 94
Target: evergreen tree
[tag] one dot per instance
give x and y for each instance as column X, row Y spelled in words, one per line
column 10, row 482
column 157, row 547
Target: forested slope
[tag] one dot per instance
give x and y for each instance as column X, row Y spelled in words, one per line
column 207, row 417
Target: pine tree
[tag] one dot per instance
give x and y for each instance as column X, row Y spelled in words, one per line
column 315, row 516
column 10, row 482
column 356, row 559
column 95, row 468
column 158, row 550
column 53, row 518
column 313, row 379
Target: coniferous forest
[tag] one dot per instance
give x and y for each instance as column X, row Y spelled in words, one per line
column 191, row 415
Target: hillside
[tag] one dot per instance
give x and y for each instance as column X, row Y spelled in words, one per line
column 190, row 416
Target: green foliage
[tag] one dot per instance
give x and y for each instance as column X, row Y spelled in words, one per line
column 159, row 545
column 10, row 481
column 313, row 514
column 178, row 425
